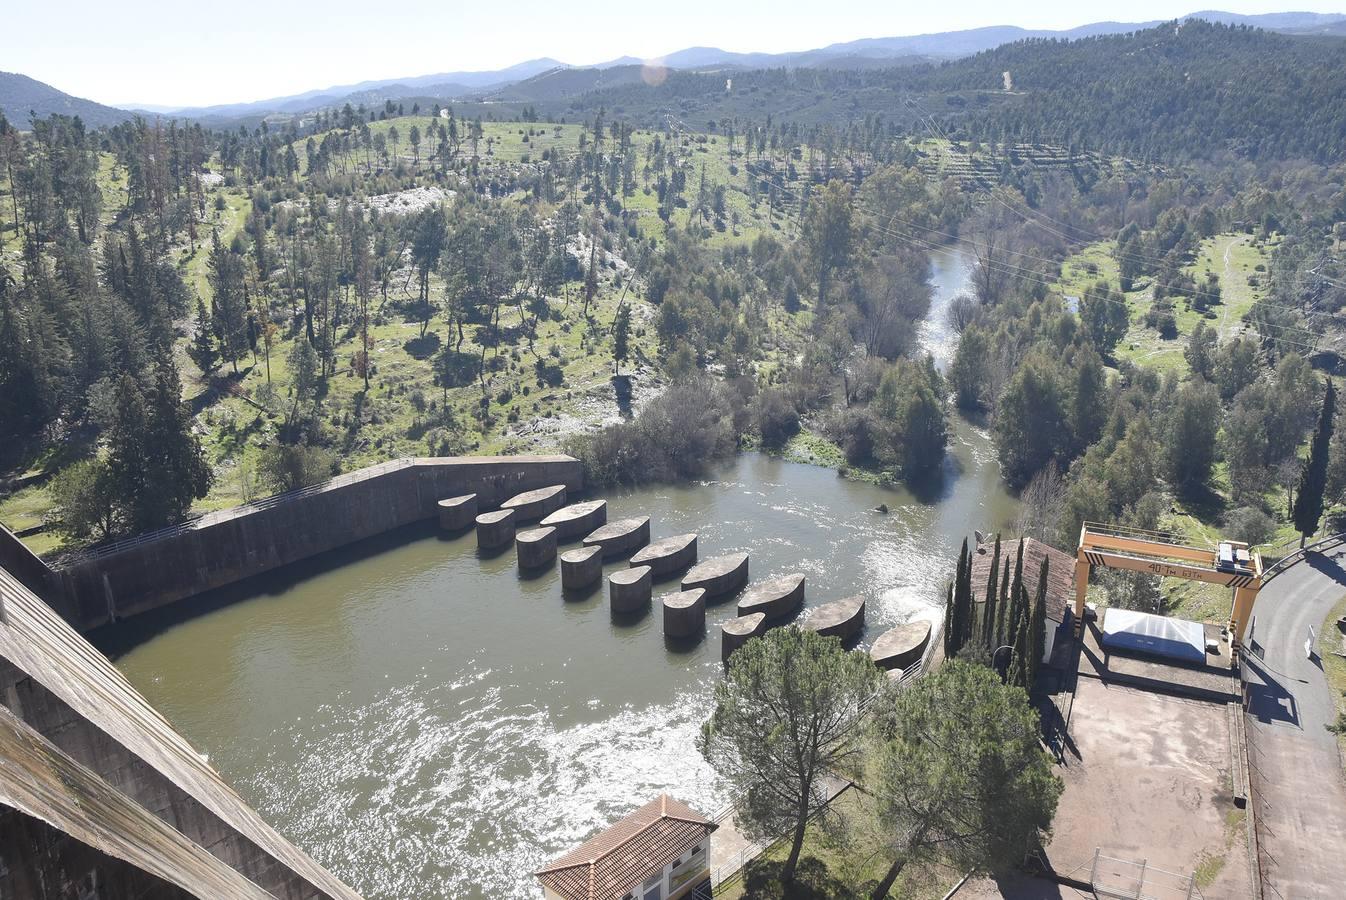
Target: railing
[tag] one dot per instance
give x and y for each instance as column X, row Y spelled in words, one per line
column 1298, row 554
column 225, row 515
column 1130, row 880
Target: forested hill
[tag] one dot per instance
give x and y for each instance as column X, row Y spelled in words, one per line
column 1172, row 91
column 20, row 96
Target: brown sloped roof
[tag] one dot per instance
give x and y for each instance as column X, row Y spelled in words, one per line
column 1060, row 572
column 606, row 866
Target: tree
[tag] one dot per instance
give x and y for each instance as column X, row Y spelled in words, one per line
column 202, row 350
column 1103, row 313
column 781, row 720
column 286, row 467
column 970, row 373
column 621, row 331
column 910, row 418
column 1032, row 419
column 1308, row 508
column 176, row 462
column 827, row 234
column 229, row 306
column 959, row 775
column 1193, row 424
column 128, row 450
column 83, row 493
column 961, row 610
column 303, row 366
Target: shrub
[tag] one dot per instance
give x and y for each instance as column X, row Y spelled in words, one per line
column 675, row 437
column 775, row 418
column 1249, row 524
column 285, row 467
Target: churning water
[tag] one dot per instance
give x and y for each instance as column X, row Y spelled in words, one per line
column 427, row 723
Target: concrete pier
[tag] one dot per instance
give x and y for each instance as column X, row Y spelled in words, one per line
column 495, row 529
column 536, row 548
column 737, row 632
column 718, row 576
column 578, row 519
column 581, row 567
column 629, row 589
column 457, row 513
column 667, row 556
column 684, row 613
column 898, row 648
column 778, row 598
column 621, row 537
column 843, row 618
column 531, row 506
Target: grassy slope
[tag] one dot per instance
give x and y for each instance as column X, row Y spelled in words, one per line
column 1232, row 257
column 403, row 414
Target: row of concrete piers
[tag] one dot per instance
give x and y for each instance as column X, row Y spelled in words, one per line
column 763, row 605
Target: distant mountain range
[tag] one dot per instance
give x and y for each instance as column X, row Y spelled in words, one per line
column 20, row 94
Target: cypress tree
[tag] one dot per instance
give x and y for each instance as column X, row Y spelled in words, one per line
column 989, row 606
column 950, row 641
column 965, row 599
column 958, row 608
column 1308, row 508
column 1019, row 665
column 1002, row 625
column 1037, row 626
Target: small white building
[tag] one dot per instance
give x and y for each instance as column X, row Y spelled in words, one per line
column 659, row 852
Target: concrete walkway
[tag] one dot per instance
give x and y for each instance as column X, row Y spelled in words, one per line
column 1294, row 765
column 731, row 849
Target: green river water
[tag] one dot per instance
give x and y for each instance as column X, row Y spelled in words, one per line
column 427, row 723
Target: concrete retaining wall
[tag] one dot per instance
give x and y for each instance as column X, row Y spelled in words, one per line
column 222, row 548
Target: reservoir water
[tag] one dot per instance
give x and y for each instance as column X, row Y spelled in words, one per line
column 427, row 723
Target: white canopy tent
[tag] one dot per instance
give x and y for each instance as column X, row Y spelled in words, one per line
column 1127, row 629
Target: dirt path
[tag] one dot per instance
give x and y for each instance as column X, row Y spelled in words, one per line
column 1227, row 279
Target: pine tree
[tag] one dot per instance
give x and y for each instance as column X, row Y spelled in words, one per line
column 181, row 473
column 229, row 311
column 203, row 341
column 128, row 450
column 621, row 331
column 1308, row 507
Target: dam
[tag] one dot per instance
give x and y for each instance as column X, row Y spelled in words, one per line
column 425, row 719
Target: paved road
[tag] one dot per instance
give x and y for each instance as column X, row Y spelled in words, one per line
column 1294, row 765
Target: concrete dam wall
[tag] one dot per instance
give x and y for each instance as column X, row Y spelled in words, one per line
column 98, row 790
column 161, row 568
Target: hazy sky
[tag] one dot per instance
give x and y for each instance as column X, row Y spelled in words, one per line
column 171, row 52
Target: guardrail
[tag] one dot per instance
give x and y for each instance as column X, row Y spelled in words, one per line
column 1298, row 555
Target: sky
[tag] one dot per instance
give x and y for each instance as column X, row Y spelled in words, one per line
column 175, row 53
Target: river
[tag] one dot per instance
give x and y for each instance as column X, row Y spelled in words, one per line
column 427, row 723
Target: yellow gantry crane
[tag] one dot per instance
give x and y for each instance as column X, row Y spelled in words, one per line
column 1230, row 564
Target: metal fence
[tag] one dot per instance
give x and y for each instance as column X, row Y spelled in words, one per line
column 1126, row 878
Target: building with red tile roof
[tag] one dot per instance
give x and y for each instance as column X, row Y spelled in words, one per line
column 659, row 852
